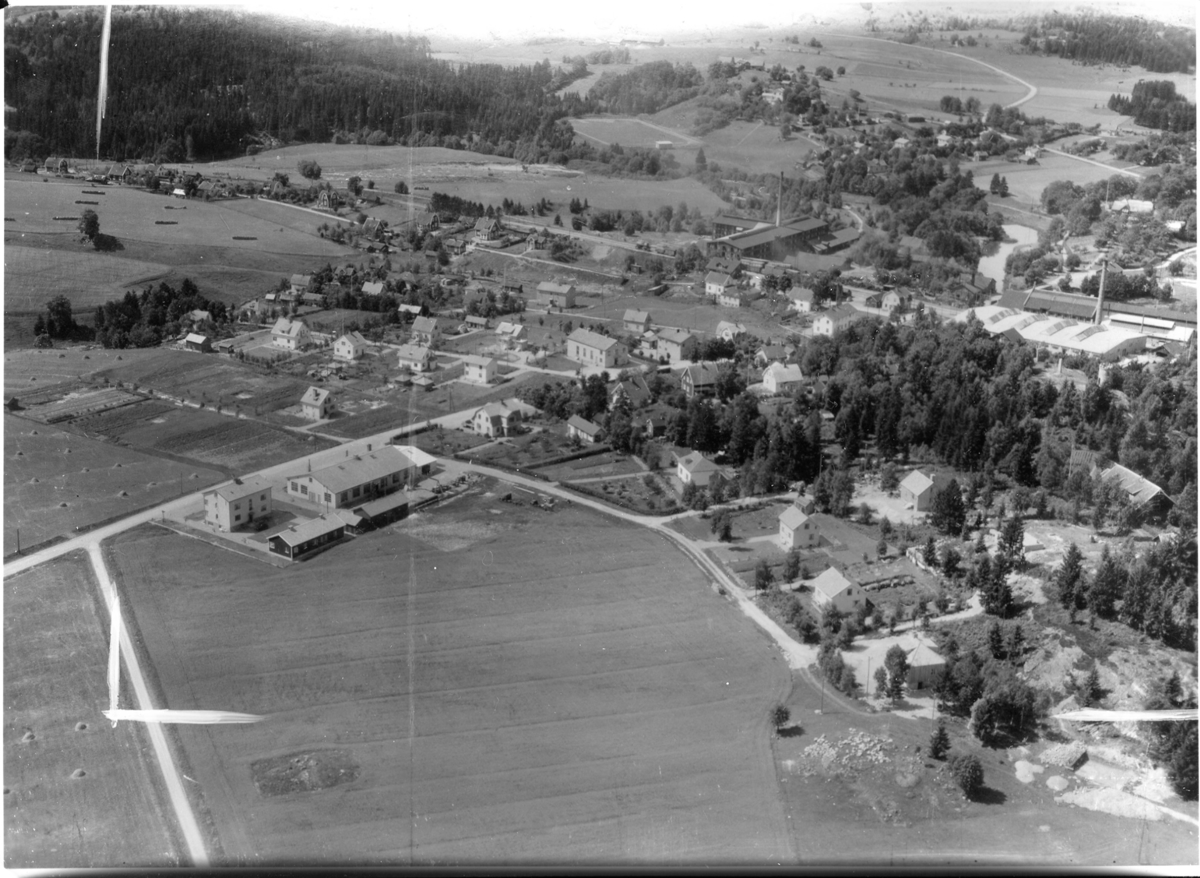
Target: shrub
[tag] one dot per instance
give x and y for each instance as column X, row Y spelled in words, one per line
column 968, row 772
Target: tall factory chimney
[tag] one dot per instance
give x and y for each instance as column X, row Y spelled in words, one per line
column 1100, row 298
column 779, row 202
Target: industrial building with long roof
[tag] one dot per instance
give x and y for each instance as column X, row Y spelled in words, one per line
column 1059, row 334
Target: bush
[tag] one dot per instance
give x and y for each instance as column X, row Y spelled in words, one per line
column 968, row 772
column 309, row 168
column 779, row 716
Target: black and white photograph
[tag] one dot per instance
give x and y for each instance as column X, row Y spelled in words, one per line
column 612, row 436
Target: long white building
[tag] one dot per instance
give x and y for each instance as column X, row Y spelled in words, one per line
column 1059, row 334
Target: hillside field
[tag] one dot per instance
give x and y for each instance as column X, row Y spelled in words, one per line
column 136, row 215
column 33, row 276
column 484, row 683
column 55, row 646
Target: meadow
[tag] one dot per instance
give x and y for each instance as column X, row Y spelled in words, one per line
column 78, row 793
column 33, row 276
column 495, row 683
column 132, row 214
column 56, row 481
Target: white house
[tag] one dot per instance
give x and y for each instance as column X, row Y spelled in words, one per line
column 418, row 358
column 778, row 378
column 373, row 288
column 425, row 331
column 696, row 469
column 716, row 283
column 668, row 342
column 802, row 299
column 291, row 335
column 500, row 418
column 238, row 504
column 349, row 347
column 636, row 321
column 835, row 319
column 592, row 349
column 480, row 370
column 832, row 589
column 316, row 404
column 556, row 295
column 584, row 429
column 919, row 489
column 797, row 530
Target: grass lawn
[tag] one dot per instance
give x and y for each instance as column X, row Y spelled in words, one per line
column 527, row 450
column 56, row 481
column 492, row 697
column 33, row 276
column 55, row 650
column 609, row 463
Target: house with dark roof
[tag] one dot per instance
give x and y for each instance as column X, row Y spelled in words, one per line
column 700, row 379
column 487, row 229
column 304, row 539
column 632, row 391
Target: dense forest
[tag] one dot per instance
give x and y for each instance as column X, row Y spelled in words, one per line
column 1111, row 39
column 1156, row 105
column 646, row 88
column 207, row 84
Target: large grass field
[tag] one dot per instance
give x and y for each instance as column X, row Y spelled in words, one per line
column 498, row 684
column 56, row 481
column 113, row 816
column 134, row 214
column 33, row 276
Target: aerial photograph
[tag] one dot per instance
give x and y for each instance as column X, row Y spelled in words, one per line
column 622, row 437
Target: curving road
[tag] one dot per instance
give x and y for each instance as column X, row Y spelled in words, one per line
column 1032, row 93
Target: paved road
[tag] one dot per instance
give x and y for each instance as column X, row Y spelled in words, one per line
column 1080, row 158
column 193, row 838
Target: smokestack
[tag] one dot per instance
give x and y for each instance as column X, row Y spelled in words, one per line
column 779, row 201
column 1100, row 299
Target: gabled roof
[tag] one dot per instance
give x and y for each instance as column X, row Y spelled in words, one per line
column 583, row 425
column 425, row 324
column 513, row 330
column 1140, row 490
column 592, row 339
column 639, row 317
column 831, row 583
column 383, row 504
column 196, row 338
column 551, row 287
column 673, row 334
column 633, row 388
column 792, row 518
column 923, row 656
column 784, row 374
column 354, row 338
column 698, row 463
column 718, row 278
column 234, row 491
column 801, row 294
column 290, row 328
column 917, row 482
column 373, row 288
column 314, row 396
column 413, row 352
column 484, row 224
column 701, row 374
column 841, row 312
column 301, row 280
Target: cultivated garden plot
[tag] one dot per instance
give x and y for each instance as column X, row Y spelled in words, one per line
column 56, row 481
column 78, row 793
column 480, row 683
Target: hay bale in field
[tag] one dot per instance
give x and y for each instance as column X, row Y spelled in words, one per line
column 28, row 736
column 122, row 493
column 78, row 773
column 81, row 727
column 62, row 505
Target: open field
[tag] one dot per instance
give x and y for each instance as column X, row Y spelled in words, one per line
column 1026, row 182
column 235, row 444
column 208, row 378
column 384, row 164
column 132, row 214
column 55, row 645
column 56, row 481
column 607, row 193
column 490, row 700
column 628, row 131
column 51, row 366
column 33, row 276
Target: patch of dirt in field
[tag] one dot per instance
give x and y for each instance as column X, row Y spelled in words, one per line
column 449, row 536
column 306, row 771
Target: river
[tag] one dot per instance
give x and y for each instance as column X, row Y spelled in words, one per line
column 992, row 265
